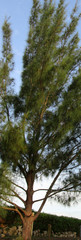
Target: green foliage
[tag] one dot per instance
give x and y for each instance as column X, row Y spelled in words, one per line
column 12, row 219
column 59, row 224
column 19, row 238
column 5, row 185
column 7, row 56
column 3, row 213
column 6, row 67
column 13, row 140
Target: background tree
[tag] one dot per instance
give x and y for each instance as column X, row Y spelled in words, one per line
column 45, row 136
column 6, row 66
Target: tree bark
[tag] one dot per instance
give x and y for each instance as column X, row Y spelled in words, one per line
column 28, row 219
column 27, row 228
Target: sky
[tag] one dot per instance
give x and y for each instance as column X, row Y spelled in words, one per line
column 19, row 12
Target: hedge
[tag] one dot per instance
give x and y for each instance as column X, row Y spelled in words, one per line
column 58, row 224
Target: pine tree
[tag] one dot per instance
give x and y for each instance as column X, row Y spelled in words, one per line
column 45, row 137
column 6, row 66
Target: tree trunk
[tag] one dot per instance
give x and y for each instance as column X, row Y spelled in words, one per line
column 27, row 228
column 28, row 219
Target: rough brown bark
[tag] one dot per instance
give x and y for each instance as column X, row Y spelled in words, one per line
column 27, row 228
column 28, row 219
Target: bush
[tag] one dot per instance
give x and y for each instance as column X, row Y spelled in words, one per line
column 13, row 219
column 59, row 224
column 19, row 238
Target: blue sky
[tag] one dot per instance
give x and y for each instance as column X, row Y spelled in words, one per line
column 19, row 12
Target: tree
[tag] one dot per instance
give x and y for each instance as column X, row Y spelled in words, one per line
column 6, row 66
column 45, row 136
column 6, row 82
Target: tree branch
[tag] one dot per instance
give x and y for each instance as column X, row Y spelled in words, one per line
column 17, row 195
column 40, row 190
column 14, row 204
column 47, row 194
column 64, row 166
column 54, row 191
column 22, row 170
column 16, row 210
column 18, row 186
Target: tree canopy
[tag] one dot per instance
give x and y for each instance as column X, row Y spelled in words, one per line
column 42, row 129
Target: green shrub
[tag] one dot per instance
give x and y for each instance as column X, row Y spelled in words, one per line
column 19, row 238
column 13, row 219
column 59, row 224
